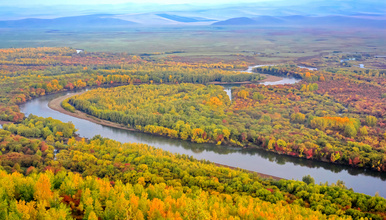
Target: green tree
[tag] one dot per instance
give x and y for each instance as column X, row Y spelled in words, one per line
column 350, row 131
column 313, row 87
column 308, row 179
column 371, row 120
column 258, row 96
column 298, row 117
column 363, row 131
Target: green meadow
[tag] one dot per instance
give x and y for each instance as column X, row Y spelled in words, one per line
column 253, row 43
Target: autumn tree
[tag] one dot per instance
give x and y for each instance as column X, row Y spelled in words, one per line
column 371, row 120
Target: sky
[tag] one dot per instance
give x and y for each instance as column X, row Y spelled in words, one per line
column 94, row 2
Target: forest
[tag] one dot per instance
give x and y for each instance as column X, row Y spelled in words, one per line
column 32, row 72
column 297, row 120
column 61, row 177
column 47, row 171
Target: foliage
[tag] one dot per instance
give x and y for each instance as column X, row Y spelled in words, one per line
column 187, row 111
column 27, row 73
column 19, row 154
column 106, row 179
column 287, row 120
column 38, row 127
column 308, row 180
column 55, row 176
column 99, row 198
column 310, row 124
column 67, row 106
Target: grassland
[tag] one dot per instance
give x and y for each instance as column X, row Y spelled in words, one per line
column 255, row 45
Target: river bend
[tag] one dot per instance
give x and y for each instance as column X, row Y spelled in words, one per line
column 363, row 181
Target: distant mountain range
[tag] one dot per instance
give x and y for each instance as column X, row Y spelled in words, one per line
column 279, row 13
column 67, row 22
column 315, row 8
column 108, row 20
column 184, row 19
column 104, row 20
column 298, row 20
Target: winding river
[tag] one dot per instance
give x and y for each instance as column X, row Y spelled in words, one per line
column 364, row 181
column 276, row 81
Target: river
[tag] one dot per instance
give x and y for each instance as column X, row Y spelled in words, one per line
column 364, row 181
column 280, row 81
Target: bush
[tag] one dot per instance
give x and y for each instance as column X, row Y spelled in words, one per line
column 308, row 179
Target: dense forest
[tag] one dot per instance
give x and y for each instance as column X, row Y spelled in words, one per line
column 61, row 177
column 47, row 172
column 33, row 72
column 186, row 111
column 283, row 119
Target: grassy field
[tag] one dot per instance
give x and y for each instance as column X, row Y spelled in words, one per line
column 253, row 44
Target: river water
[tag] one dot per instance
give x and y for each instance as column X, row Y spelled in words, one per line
column 284, row 80
column 364, row 181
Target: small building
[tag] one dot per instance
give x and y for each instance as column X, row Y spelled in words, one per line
column 79, row 51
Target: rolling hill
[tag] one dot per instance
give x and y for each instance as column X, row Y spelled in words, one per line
column 183, row 18
column 67, row 22
column 299, row 20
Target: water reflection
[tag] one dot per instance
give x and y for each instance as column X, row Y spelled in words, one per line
column 283, row 81
column 283, row 160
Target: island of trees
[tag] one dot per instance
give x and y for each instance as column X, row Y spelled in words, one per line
column 302, row 120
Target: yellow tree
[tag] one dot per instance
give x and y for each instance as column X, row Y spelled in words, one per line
column 214, row 101
column 28, row 210
column 243, row 94
column 43, row 191
column 92, row 216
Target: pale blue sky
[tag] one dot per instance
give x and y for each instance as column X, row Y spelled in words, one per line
column 87, row 2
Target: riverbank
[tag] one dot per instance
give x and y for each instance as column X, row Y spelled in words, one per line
column 55, row 104
column 231, row 83
column 262, row 175
column 4, row 122
column 260, row 161
column 268, row 78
